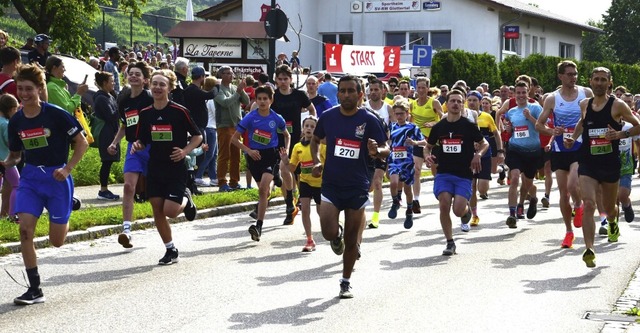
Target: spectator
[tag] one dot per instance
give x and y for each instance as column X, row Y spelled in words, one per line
column 4, row 38
column 263, row 80
column 105, row 109
column 40, row 53
column 28, row 46
column 181, row 70
column 295, row 61
column 282, row 60
column 329, row 89
column 10, row 60
column 175, row 50
column 57, row 87
column 251, row 92
column 94, row 62
column 211, row 155
column 111, row 66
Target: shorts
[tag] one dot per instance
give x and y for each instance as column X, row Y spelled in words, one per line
column 625, row 181
column 38, row 189
column 563, row 161
column 494, row 146
column 380, row 164
column 308, row 191
column 602, row 173
column 418, row 152
column 159, row 185
column 137, row 162
column 527, row 162
column 345, row 198
column 406, row 171
column 446, row 182
column 267, row 163
column 485, row 172
column 546, row 156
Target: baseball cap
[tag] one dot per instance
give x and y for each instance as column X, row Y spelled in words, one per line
column 197, row 71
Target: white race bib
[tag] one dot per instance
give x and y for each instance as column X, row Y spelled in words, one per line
column 399, row 153
column 347, row 149
column 521, row 132
column 452, row 146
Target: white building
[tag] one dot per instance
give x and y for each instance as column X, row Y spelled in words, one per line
column 472, row 25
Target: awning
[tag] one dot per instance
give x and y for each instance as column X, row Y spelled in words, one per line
column 217, row 29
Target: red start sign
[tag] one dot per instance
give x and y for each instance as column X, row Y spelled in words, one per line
column 356, row 59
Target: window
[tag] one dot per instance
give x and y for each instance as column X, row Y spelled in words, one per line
column 534, row 44
column 567, row 50
column 346, row 39
column 512, row 45
column 543, row 45
column 527, row 45
column 406, row 40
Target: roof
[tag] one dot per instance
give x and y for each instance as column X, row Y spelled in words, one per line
column 220, row 9
column 217, row 29
column 529, row 10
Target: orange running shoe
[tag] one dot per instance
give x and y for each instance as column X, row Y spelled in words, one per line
column 567, row 243
column 577, row 219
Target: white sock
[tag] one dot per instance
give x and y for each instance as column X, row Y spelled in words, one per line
column 344, row 280
column 126, row 225
column 169, row 245
column 416, row 197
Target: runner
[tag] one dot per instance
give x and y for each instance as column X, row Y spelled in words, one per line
column 164, row 126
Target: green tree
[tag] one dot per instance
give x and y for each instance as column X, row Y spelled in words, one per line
column 68, row 22
column 621, row 22
column 595, row 46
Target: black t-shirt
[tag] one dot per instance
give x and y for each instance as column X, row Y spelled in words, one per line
column 129, row 111
column 35, row 56
column 163, row 130
column 289, row 107
column 456, row 140
column 44, row 138
column 195, row 100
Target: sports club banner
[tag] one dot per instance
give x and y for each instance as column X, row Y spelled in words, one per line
column 356, row 59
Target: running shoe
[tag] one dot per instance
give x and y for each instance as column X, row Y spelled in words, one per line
column 545, row 202
column 520, row 212
column 345, row 289
column 224, row 188
column 291, row 213
column 190, row 209
column 533, row 208
column 107, row 195
column 416, row 207
column 577, row 218
column 465, row 227
column 236, row 187
column 201, row 182
column 603, row 227
column 475, row 221
column 484, row 196
column 337, row 245
column 511, row 222
column 466, row 217
column 629, row 215
column 450, row 249
column 613, row 232
column 170, row 257
column 589, row 258
column 255, row 232
column 32, row 296
column 375, row 222
column 310, row 246
column 254, row 213
column 77, row 203
column 567, row 243
column 213, row 182
column 125, row 240
column 393, row 212
column 408, row 220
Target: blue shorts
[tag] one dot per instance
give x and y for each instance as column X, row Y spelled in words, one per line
column 625, row 181
column 345, row 198
column 455, row 185
column 38, row 189
column 138, row 162
column 405, row 171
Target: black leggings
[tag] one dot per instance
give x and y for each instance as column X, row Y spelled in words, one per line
column 105, row 171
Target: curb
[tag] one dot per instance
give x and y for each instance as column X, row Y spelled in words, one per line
column 108, row 230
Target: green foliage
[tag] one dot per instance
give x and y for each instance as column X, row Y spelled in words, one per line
column 452, row 65
column 87, row 172
column 620, row 23
column 596, row 47
column 510, row 69
column 543, row 68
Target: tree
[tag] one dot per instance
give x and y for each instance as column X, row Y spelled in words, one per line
column 595, row 46
column 621, row 22
column 68, row 22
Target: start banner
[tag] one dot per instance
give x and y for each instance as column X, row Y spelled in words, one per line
column 357, row 59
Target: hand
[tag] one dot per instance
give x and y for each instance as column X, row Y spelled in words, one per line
column 526, row 113
column 430, row 160
column 547, row 148
column 317, row 170
column 428, row 125
column 241, row 85
column 254, row 154
column 558, row 131
column 112, row 149
column 205, row 147
column 500, row 158
column 60, row 174
column 82, row 89
column 612, row 134
column 476, row 166
column 568, row 142
column 372, row 146
column 507, row 127
column 136, row 146
column 409, row 142
column 177, row 154
column 284, row 155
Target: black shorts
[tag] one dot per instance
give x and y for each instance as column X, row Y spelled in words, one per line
column 418, row 151
column 267, row 163
column 609, row 173
column 345, row 198
column 563, row 161
column 308, row 191
column 485, row 172
column 546, row 156
column 160, row 185
column 494, row 146
column 527, row 162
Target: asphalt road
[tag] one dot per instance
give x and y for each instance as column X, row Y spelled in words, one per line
column 501, row 280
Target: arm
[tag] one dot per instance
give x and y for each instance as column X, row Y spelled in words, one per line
column 503, row 109
column 61, row 98
column 12, row 159
column 499, row 146
column 622, row 110
column 312, row 109
column 116, row 141
column 314, row 147
column 541, row 123
column 437, row 107
column 179, row 154
column 226, row 101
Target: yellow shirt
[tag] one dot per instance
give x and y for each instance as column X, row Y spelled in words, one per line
column 421, row 114
column 301, row 154
column 388, row 100
column 444, row 106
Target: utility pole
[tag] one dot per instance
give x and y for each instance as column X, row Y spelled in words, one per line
column 271, row 64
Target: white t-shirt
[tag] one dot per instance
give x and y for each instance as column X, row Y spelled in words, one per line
column 211, row 107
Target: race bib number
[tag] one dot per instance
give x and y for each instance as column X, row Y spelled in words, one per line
column 261, row 137
column 289, row 127
column 521, row 132
column 347, row 149
column 131, row 118
column 399, row 153
column 306, row 167
column 34, row 138
column 161, row 133
column 452, row 146
column 625, row 144
column 601, row 146
column 568, row 132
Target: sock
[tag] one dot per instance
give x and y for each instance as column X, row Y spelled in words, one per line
column 375, row 217
column 416, row 198
column 546, row 195
column 474, row 211
column 512, row 211
column 396, row 199
column 450, row 241
column 34, row 277
column 289, row 198
column 169, row 245
column 409, row 205
column 127, row 226
column 344, row 280
column 625, row 207
column 259, row 224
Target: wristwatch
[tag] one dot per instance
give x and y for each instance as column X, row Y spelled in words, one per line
column 627, row 133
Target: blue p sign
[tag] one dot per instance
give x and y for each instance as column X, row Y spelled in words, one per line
column 422, row 55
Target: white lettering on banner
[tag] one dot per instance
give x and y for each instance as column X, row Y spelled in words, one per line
column 212, row 48
column 391, row 6
column 240, row 69
column 358, row 59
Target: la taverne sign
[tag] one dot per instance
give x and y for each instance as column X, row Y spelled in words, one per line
column 212, row 48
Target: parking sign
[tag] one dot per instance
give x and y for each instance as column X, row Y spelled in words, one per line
column 422, row 55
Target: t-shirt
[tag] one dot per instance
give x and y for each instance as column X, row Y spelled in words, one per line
column 346, row 139
column 10, row 87
column 301, row 154
column 321, row 104
column 262, row 131
column 290, row 107
column 487, row 127
column 129, row 110
column 457, row 142
column 35, row 56
column 330, row 91
column 165, row 129
column 44, row 138
column 524, row 137
column 400, row 153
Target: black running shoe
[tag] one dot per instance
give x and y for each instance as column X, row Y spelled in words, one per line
column 255, row 232
column 254, row 213
column 408, row 220
column 533, row 208
column 77, row 203
column 345, row 290
column 450, row 249
column 32, row 296
column 170, row 257
column 337, row 245
column 628, row 214
column 190, row 210
column 416, row 207
column 512, row 222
